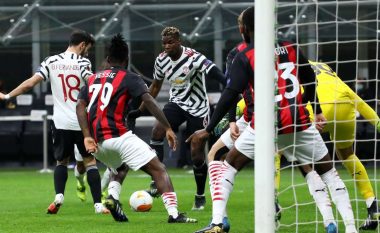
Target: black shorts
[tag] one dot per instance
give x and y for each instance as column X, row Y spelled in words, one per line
column 64, row 141
column 176, row 116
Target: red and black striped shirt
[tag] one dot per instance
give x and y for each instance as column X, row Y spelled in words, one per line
column 292, row 115
column 108, row 94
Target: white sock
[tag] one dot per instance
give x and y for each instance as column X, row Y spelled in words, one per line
column 59, row 198
column 80, row 177
column 114, row 189
column 105, row 179
column 170, row 203
column 222, row 189
column 320, row 194
column 369, row 201
column 339, row 196
column 214, row 170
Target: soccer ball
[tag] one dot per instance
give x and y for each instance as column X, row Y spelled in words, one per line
column 141, row 201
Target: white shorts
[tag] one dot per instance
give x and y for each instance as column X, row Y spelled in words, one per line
column 226, row 136
column 77, row 155
column 128, row 149
column 305, row 147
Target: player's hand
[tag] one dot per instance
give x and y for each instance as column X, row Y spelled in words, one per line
column 90, row 144
column 172, row 139
column 198, row 137
column 2, row 96
column 132, row 115
column 234, row 131
column 320, row 122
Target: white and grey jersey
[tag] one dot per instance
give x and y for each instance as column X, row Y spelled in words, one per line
column 187, row 78
column 67, row 73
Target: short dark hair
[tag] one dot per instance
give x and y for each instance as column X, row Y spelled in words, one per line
column 118, row 49
column 80, row 36
column 171, row 31
column 249, row 18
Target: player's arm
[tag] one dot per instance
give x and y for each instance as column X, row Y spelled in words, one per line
column 152, row 106
column 81, row 112
column 364, row 109
column 309, row 82
column 216, row 74
column 23, row 87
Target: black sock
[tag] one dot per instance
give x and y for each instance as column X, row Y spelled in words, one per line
column 60, row 178
column 200, row 175
column 93, row 179
column 158, row 146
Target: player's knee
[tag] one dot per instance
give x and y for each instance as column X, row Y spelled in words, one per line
column 63, row 162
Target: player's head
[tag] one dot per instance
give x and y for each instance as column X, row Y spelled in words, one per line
column 171, row 41
column 248, row 24
column 118, row 51
column 240, row 22
column 82, row 41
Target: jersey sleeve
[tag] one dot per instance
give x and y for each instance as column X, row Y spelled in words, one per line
column 85, row 68
column 204, row 64
column 157, row 71
column 43, row 69
column 136, row 86
column 240, row 73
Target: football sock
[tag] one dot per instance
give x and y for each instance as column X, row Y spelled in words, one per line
column 60, row 178
column 214, row 168
column 320, row 194
column 277, row 175
column 105, row 179
column 93, row 179
column 200, row 175
column 339, row 196
column 80, row 177
column 158, row 146
column 170, row 202
column 222, row 189
column 114, row 189
column 359, row 173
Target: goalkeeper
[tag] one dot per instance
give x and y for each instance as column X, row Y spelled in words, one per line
column 339, row 104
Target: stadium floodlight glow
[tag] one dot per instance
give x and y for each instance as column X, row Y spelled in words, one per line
column 196, row 18
column 26, row 5
column 291, row 16
column 12, row 20
column 103, row 19
column 115, row 19
column 196, row 34
column 184, row 34
column 23, row 20
column 209, row 18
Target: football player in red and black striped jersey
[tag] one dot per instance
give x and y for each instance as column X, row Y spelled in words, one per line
column 106, row 98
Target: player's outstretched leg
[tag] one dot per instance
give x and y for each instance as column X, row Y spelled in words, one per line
column 372, row 220
column 164, row 185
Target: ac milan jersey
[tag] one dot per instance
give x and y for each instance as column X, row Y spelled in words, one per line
column 292, row 115
column 67, row 73
column 107, row 94
column 187, row 78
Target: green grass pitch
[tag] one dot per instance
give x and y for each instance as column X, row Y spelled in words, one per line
column 25, row 195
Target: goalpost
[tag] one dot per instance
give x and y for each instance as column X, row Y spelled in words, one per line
column 264, row 113
column 344, row 35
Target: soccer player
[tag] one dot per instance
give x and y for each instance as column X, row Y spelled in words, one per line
column 187, row 71
column 67, row 73
column 339, row 105
column 290, row 62
column 106, row 98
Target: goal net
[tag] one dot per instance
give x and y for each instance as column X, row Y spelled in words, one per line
column 345, row 36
